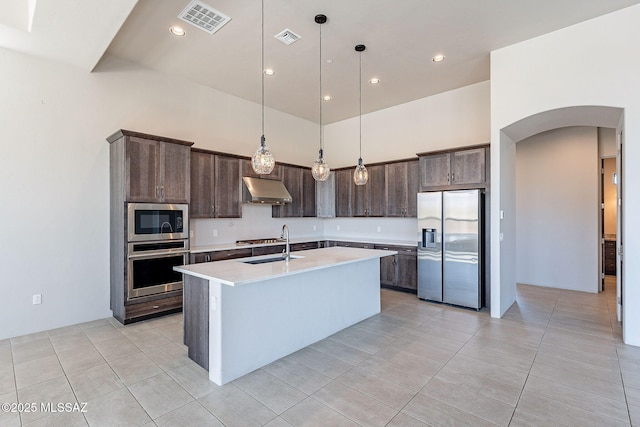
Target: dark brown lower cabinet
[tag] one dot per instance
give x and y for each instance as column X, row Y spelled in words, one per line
column 165, row 304
column 199, row 257
column 331, row 243
column 399, row 271
column 247, row 252
column 304, row 246
column 388, row 270
column 267, row 250
column 610, row 257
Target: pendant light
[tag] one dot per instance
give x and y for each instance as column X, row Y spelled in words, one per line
column 262, row 161
column 320, row 169
column 360, row 175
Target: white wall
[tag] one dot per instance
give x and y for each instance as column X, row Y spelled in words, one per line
column 256, row 223
column 557, row 209
column 452, row 119
column 607, row 142
column 54, row 169
column 563, row 69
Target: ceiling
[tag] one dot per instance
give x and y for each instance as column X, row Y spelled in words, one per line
column 401, row 39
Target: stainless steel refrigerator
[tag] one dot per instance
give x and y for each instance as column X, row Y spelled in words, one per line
column 450, row 262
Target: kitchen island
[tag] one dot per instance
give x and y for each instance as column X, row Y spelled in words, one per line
column 239, row 316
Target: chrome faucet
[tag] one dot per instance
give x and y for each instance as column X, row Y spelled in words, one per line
column 286, row 254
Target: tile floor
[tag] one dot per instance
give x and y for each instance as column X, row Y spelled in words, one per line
column 556, row 358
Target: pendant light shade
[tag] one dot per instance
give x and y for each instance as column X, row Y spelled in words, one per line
column 360, row 175
column 263, row 161
column 320, row 169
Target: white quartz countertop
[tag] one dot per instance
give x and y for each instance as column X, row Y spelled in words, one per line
column 236, row 272
column 230, row 246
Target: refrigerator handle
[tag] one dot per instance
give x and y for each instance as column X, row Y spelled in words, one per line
column 429, row 237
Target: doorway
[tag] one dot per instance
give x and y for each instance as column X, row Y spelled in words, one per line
column 609, row 222
column 503, row 235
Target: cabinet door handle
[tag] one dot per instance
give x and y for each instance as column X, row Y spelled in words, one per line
column 208, row 258
column 453, row 177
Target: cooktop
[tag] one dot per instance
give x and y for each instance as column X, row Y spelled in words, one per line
column 259, row 241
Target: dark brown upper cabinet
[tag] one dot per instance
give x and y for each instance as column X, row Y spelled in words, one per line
column 215, row 185
column 155, row 169
column 360, row 200
column 247, row 170
column 460, row 168
column 302, row 187
column 402, row 186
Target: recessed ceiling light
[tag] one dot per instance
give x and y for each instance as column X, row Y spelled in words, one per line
column 438, row 58
column 329, row 61
column 177, row 31
column 374, row 81
column 269, row 72
column 326, row 98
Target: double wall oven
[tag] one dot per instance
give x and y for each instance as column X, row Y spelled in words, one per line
column 158, row 240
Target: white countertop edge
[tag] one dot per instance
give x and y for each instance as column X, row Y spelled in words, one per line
column 231, row 246
column 257, row 273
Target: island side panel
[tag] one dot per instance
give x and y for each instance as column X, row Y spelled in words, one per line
column 196, row 318
column 264, row 321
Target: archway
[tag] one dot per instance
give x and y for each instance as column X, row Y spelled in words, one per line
column 503, row 221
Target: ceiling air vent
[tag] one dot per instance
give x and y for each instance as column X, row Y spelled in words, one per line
column 203, row 16
column 287, row 36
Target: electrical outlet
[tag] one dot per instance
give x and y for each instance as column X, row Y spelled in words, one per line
column 379, row 229
column 337, row 228
column 191, row 234
column 37, row 299
column 215, row 233
column 314, row 228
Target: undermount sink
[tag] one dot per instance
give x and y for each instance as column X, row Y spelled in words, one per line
column 269, row 259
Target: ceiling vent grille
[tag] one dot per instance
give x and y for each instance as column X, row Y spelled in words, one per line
column 203, row 16
column 287, row 36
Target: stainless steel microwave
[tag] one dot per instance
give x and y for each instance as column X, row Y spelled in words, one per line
column 157, row 221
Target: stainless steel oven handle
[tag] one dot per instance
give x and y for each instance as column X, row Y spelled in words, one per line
column 156, row 254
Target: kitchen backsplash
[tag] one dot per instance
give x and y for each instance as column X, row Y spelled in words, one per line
column 256, row 223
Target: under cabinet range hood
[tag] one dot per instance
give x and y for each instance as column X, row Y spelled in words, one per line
column 264, row 191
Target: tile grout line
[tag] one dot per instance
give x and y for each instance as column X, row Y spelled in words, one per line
column 515, row 408
column 437, row 372
column 624, row 389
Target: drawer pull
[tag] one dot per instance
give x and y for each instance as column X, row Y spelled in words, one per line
column 156, row 307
